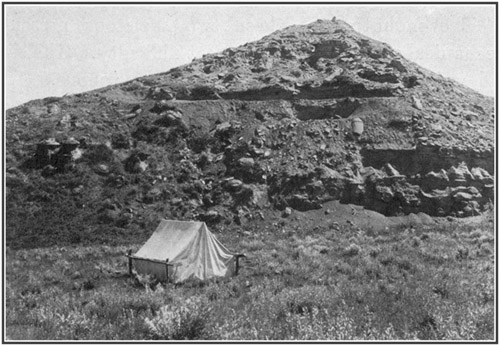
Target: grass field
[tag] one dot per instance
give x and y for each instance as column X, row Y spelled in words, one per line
column 311, row 284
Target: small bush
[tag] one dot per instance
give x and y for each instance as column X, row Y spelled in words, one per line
column 416, row 242
column 287, row 290
column 253, row 245
column 486, row 238
column 484, row 249
column 185, row 321
column 462, row 253
column 99, row 154
column 351, row 250
column 146, row 281
column 476, row 233
column 120, row 141
column 344, row 268
column 88, row 285
column 203, row 92
column 374, row 252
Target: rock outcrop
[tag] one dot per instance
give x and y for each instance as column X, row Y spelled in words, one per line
column 265, row 125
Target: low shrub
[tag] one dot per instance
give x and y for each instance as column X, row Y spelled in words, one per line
column 287, row 289
column 99, row 153
column 351, row 250
column 182, row 321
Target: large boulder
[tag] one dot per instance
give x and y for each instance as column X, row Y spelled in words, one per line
column 482, row 175
column 460, row 173
column 435, row 180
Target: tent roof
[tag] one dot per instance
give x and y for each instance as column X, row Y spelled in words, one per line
column 170, row 239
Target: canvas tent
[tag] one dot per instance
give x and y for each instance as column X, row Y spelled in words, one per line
column 180, row 250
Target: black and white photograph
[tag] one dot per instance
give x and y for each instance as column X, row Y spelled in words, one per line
column 249, row 172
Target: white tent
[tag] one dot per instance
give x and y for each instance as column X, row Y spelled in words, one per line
column 179, row 250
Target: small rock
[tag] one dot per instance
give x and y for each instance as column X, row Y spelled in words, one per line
column 174, row 115
column 142, row 166
column 65, row 121
column 235, row 184
column 463, row 196
column 390, row 170
column 473, row 191
column 176, row 201
column 246, row 162
column 211, row 216
column 53, row 109
column 398, row 65
column 436, row 128
column 77, row 190
column 416, row 103
column 476, row 173
column 468, row 211
column 485, row 177
column 102, row 169
column 384, row 193
column 287, row 212
column 470, row 116
column 223, row 127
column 460, row 173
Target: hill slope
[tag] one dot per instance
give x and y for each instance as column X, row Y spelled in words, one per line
column 236, row 136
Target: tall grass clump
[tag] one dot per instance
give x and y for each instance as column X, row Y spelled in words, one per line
column 428, row 284
column 180, row 320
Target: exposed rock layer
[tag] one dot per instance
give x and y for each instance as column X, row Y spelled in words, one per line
column 267, row 124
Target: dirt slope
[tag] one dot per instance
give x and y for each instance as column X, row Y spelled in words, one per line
column 262, row 127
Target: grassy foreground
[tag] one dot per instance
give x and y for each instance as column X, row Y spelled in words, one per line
column 315, row 284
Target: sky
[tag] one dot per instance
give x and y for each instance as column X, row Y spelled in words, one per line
column 52, row 50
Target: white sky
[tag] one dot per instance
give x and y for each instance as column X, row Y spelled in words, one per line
column 54, row 50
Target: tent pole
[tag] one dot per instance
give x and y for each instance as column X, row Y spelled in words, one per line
column 129, row 262
column 166, row 268
column 238, row 263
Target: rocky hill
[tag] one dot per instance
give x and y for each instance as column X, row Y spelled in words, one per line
column 267, row 126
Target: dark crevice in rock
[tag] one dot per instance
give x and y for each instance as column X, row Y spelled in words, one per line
column 424, row 159
column 379, row 77
column 332, row 109
column 267, row 93
column 330, row 90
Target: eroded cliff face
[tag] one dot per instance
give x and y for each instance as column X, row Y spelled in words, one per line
column 267, row 124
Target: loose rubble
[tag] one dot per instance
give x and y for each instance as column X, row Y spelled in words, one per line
column 306, row 115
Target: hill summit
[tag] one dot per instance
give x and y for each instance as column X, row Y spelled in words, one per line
column 304, row 116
